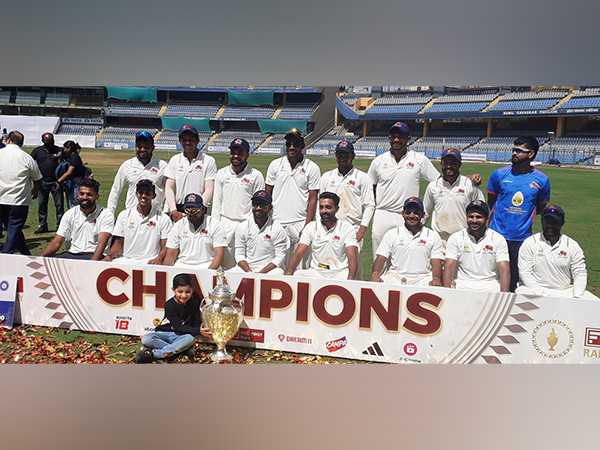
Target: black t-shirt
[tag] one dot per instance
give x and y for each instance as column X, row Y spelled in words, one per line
column 47, row 160
column 75, row 160
column 182, row 319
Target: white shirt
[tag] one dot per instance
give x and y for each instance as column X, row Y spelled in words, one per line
column 190, row 176
column 197, row 246
column 396, row 181
column 328, row 247
column 261, row 246
column 132, row 171
column 355, row 191
column 558, row 266
column 449, row 203
column 18, row 171
column 82, row 231
column 233, row 192
column 141, row 234
column 477, row 260
column 290, row 188
column 411, row 254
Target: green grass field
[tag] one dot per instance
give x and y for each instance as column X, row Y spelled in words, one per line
column 574, row 189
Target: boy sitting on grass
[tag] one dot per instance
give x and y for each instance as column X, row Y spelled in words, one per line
column 176, row 332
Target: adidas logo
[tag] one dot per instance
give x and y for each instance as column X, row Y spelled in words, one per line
column 374, row 350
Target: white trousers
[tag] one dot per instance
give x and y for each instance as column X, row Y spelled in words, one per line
column 238, row 269
column 229, row 257
column 476, row 285
column 382, row 222
column 394, row 277
column 324, row 273
column 293, row 231
column 546, row 292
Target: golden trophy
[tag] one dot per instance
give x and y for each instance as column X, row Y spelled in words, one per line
column 223, row 314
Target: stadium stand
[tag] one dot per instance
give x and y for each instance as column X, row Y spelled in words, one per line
column 521, row 105
column 433, row 146
column 56, row 99
column 570, row 150
column 247, row 112
column 371, row 146
column 4, row 96
column 220, row 144
column 395, row 109
column 466, row 98
column 27, row 98
column 79, row 129
column 274, row 144
column 299, row 111
column 532, row 95
column 207, row 110
column 119, row 138
column 456, row 107
column 403, row 100
column 329, row 141
column 588, row 98
column 133, row 109
column 169, row 140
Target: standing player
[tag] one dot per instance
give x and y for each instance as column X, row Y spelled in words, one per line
column 140, row 232
column 354, row 188
column 477, row 256
column 395, row 176
column 551, row 263
column 415, row 252
column 515, row 193
column 142, row 167
column 332, row 244
column 191, row 171
column 197, row 241
column 261, row 244
column 293, row 181
column 448, row 196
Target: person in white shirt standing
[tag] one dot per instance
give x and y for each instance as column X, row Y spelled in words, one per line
column 395, row 176
column 197, row 241
column 20, row 179
column 415, row 252
column 140, row 233
column 448, row 196
column 293, row 181
column 191, row 171
column 332, row 243
column 354, row 188
column 551, row 263
column 477, row 257
column 87, row 226
column 142, row 167
column 261, row 243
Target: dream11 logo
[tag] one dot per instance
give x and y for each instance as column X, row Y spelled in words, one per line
column 274, row 295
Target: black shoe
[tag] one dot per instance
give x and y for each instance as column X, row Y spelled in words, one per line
column 144, row 357
column 41, row 230
column 190, row 353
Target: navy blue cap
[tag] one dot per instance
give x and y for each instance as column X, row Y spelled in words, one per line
column 344, row 147
column 240, row 143
column 452, row 152
column 193, row 201
column 400, row 128
column 414, row 201
column 554, row 211
column 144, row 135
column 187, row 128
column 294, row 133
column 480, row 206
column 262, row 196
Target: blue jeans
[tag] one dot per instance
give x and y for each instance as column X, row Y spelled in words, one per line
column 167, row 343
column 14, row 218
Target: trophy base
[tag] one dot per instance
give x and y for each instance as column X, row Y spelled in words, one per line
column 220, row 356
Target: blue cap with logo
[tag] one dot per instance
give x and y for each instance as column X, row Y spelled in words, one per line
column 400, row 128
column 144, row 136
column 414, row 202
column 344, row 147
column 193, row 201
column 479, row 206
column 554, row 211
column 240, row 143
column 187, row 128
column 452, row 153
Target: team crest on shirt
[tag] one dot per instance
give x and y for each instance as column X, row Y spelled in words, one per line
column 422, row 242
column 534, row 185
column 410, row 165
column 336, row 238
column 562, row 254
column 352, row 182
column 488, row 248
column 204, row 231
column 246, row 180
column 518, row 199
column 154, row 170
column 198, row 167
column 460, row 190
column 151, row 224
column 267, row 236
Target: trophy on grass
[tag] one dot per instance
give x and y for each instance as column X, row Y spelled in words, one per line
column 223, row 314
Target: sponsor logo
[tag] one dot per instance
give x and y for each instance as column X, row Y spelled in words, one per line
column 592, row 339
column 334, row 346
column 2, row 318
column 3, row 285
column 156, row 322
column 534, row 185
column 410, row 349
column 552, row 339
column 250, row 335
column 374, row 349
column 122, row 323
column 294, row 339
column 518, row 199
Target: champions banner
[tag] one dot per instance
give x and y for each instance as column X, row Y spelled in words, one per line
column 349, row 319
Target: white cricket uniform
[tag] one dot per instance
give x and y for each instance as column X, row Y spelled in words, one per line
column 410, row 255
column 328, row 249
column 552, row 270
column 233, row 193
column 141, row 234
column 196, row 247
column 477, row 261
column 190, row 176
column 132, row 171
column 17, row 171
column 261, row 246
column 448, row 203
column 82, row 230
column 355, row 191
column 396, row 181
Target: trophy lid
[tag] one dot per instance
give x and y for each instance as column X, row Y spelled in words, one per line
column 221, row 291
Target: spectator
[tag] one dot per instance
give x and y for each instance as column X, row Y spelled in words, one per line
column 71, row 172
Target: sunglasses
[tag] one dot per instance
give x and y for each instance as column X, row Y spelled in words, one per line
column 193, row 211
column 520, row 150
